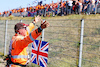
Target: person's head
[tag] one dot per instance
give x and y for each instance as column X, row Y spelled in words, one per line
column 21, row 28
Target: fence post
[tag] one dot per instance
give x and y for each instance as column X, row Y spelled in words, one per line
column 42, row 35
column 5, row 37
column 81, row 43
column 21, row 21
column 42, row 39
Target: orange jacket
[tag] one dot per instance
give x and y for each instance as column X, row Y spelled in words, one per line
column 29, row 28
column 19, row 46
column 42, row 7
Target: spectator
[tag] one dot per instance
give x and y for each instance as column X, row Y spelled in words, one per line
column 59, row 8
column 88, row 7
column 53, row 9
column 62, row 8
column 49, row 9
column 44, row 10
column 18, row 55
column 66, row 7
column 92, row 5
column 70, row 6
column 78, row 7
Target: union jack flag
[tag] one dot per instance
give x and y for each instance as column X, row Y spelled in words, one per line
column 39, row 53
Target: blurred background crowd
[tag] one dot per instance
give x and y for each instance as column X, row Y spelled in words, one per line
column 61, row 8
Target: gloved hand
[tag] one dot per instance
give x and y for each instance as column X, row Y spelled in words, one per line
column 44, row 24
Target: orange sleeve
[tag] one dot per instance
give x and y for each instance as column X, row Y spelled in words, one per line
column 29, row 28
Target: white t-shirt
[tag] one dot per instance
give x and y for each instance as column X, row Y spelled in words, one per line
column 80, row 3
column 93, row 2
column 70, row 3
column 25, row 9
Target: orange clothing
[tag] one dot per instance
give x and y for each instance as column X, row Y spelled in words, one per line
column 36, row 7
column 19, row 46
column 18, row 10
column 13, row 11
column 39, row 7
column 21, row 10
column 42, row 7
column 30, row 8
column 5, row 12
column 29, row 28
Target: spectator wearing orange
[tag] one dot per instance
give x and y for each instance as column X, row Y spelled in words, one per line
column 27, row 9
column 64, row 7
column 12, row 11
column 49, row 9
column 37, row 9
column 18, row 10
column 53, row 9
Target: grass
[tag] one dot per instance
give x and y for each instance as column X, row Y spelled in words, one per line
column 73, row 16
column 64, row 36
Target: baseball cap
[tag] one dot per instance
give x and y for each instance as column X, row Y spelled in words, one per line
column 20, row 26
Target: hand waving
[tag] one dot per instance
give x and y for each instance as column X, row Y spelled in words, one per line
column 44, row 24
column 37, row 19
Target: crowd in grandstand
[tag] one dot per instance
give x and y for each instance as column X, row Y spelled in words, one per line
column 59, row 8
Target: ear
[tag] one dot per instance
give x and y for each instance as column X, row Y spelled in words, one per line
column 17, row 31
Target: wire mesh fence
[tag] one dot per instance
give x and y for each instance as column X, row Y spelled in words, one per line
column 64, row 39
column 91, row 44
column 2, row 37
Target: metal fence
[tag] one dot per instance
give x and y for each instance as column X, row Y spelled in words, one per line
column 67, row 47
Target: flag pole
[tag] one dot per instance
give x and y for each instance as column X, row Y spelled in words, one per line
column 42, row 37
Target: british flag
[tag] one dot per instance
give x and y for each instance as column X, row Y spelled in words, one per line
column 39, row 53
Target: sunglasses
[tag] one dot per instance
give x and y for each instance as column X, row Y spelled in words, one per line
column 25, row 28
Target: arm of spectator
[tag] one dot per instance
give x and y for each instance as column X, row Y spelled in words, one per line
column 32, row 25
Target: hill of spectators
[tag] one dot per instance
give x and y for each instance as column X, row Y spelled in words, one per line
column 60, row 9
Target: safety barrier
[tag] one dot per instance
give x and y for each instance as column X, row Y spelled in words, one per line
column 73, row 42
